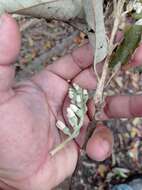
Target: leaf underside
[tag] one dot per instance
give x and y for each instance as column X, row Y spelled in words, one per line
column 95, row 20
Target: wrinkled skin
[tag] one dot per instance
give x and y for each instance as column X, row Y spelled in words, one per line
column 29, row 111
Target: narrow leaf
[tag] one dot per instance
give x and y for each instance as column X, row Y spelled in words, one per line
column 131, row 41
column 97, row 35
column 64, row 10
column 16, row 5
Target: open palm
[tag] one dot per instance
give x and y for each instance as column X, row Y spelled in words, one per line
column 30, row 109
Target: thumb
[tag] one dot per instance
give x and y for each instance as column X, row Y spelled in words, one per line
column 100, row 145
column 10, row 41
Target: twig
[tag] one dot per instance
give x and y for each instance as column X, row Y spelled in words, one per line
column 70, row 138
column 61, row 146
column 96, row 72
column 98, row 98
column 116, row 69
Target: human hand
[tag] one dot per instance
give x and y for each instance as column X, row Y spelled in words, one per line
column 29, row 111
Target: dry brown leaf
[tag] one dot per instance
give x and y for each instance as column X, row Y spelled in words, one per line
column 102, row 169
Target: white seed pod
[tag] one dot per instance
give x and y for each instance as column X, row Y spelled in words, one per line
column 60, row 125
column 74, row 108
column 76, row 86
column 80, row 113
column 73, row 121
column 72, row 101
column 85, row 95
column 85, row 92
column 71, row 93
column 71, row 96
column 78, row 99
column 70, row 113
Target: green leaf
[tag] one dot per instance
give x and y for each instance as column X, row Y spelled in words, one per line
column 121, row 172
column 125, row 50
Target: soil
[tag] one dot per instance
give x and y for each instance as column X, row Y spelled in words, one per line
column 43, row 42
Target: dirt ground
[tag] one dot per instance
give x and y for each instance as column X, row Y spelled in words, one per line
column 42, row 43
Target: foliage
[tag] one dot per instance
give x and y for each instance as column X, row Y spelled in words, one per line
column 132, row 38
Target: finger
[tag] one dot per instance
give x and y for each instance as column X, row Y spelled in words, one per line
column 54, row 88
column 52, row 78
column 120, row 106
column 123, row 106
column 136, row 59
column 81, row 59
column 100, row 145
column 9, row 39
column 69, row 66
column 86, row 79
column 9, row 49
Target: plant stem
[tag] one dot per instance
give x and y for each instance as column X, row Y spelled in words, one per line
column 61, row 146
column 98, row 97
column 70, row 138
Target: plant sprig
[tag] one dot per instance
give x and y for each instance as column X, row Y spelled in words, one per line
column 99, row 95
column 75, row 114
